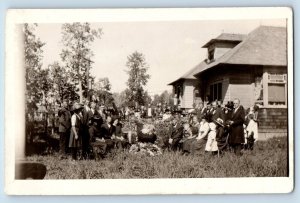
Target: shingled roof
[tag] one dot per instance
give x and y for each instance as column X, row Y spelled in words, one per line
column 226, row 37
column 265, row 45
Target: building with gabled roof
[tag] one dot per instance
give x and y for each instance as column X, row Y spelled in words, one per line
column 252, row 68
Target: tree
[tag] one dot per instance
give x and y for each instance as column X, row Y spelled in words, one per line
column 138, row 78
column 33, row 57
column 102, row 91
column 164, row 99
column 62, row 86
column 77, row 54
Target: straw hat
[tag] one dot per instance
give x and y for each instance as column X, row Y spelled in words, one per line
column 220, row 122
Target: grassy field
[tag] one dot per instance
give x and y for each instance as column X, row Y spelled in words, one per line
column 268, row 159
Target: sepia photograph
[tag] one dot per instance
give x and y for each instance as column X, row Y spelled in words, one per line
column 203, row 97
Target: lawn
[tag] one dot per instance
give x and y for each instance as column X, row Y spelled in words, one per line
column 268, row 159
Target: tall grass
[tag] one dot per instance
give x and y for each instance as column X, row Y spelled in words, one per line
column 268, row 159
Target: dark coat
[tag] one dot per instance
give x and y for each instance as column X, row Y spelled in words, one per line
column 86, row 116
column 106, row 131
column 177, row 131
column 237, row 129
column 217, row 113
column 64, row 120
column 228, row 115
column 94, row 132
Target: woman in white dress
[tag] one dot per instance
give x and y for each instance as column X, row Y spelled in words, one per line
column 198, row 145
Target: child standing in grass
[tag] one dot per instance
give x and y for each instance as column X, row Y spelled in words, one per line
column 211, row 144
column 252, row 132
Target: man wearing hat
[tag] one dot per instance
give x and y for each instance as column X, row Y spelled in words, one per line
column 64, row 120
column 86, row 116
column 64, row 125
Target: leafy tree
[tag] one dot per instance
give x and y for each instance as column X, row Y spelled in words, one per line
column 36, row 85
column 138, row 78
column 164, row 99
column 63, row 87
column 77, row 54
column 102, row 91
column 120, row 99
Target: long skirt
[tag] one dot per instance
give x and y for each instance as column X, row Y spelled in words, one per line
column 187, row 145
column 75, row 143
column 198, row 146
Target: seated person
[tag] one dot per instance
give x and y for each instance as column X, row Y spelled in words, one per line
column 117, row 134
column 94, row 129
column 104, row 142
column 199, row 143
column 195, row 125
column 188, row 138
column 177, row 133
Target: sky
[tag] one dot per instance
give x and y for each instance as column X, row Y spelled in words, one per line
column 170, row 48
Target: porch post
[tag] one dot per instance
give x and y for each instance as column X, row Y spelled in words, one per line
column 265, row 88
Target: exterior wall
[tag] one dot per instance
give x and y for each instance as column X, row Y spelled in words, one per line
column 220, row 48
column 273, row 122
column 188, row 94
column 266, row 72
column 241, row 87
column 226, row 90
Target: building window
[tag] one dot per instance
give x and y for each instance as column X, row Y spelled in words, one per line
column 211, row 54
column 277, row 89
column 216, row 91
column 276, row 94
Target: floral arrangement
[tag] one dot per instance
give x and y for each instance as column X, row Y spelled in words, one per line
column 147, row 149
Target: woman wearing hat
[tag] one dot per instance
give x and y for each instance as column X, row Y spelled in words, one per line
column 199, row 144
column 75, row 141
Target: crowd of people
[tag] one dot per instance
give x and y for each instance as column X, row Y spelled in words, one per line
column 90, row 129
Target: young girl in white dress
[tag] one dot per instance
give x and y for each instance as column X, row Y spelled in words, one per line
column 211, row 144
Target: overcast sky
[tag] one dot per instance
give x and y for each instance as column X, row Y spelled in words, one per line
column 170, row 48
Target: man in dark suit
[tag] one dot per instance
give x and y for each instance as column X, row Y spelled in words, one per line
column 236, row 137
column 200, row 110
column 216, row 112
column 86, row 116
column 177, row 133
column 64, row 120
